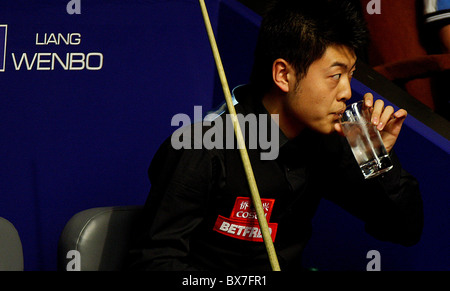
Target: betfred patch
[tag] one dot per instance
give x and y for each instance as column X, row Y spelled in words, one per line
column 243, row 208
column 243, row 221
column 245, row 230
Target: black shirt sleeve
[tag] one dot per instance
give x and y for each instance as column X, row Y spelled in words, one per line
column 390, row 205
column 180, row 182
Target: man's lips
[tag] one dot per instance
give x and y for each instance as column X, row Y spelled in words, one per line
column 339, row 113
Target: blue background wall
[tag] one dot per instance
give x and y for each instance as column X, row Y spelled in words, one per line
column 71, row 140
column 75, row 139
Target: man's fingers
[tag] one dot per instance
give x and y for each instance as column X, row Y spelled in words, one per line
column 377, row 111
column 397, row 121
column 401, row 113
column 385, row 117
column 368, row 100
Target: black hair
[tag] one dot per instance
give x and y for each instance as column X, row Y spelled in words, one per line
column 299, row 31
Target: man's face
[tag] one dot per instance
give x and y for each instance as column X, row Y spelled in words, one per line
column 320, row 95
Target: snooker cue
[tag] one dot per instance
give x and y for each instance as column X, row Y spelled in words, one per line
column 241, row 144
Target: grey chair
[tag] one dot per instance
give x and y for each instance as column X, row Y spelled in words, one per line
column 97, row 239
column 11, row 252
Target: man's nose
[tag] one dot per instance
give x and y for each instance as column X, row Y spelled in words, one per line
column 345, row 90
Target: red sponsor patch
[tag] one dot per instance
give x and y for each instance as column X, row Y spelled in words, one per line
column 243, row 222
column 243, row 208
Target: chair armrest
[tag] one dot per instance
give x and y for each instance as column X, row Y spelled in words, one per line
column 419, row 67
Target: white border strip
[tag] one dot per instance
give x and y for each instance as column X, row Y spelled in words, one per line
column 437, row 17
column 4, row 52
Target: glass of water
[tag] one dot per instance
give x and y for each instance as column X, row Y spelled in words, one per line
column 365, row 140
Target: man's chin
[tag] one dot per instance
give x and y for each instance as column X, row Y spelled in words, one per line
column 324, row 129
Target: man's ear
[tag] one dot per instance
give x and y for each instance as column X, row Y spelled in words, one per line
column 282, row 73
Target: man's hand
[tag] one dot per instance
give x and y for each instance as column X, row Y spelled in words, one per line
column 388, row 122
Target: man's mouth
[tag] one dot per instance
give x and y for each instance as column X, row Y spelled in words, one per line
column 339, row 113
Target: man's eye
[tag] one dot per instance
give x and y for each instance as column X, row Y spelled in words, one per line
column 337, row 76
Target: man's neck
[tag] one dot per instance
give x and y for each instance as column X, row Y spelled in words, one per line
column 274, row 102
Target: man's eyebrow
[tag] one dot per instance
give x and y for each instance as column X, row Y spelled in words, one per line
column 343, row 65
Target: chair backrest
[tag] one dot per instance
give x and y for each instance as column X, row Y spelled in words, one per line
column 398, row 34
column 11, row 252
column 395, row 32
column 99, row 236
